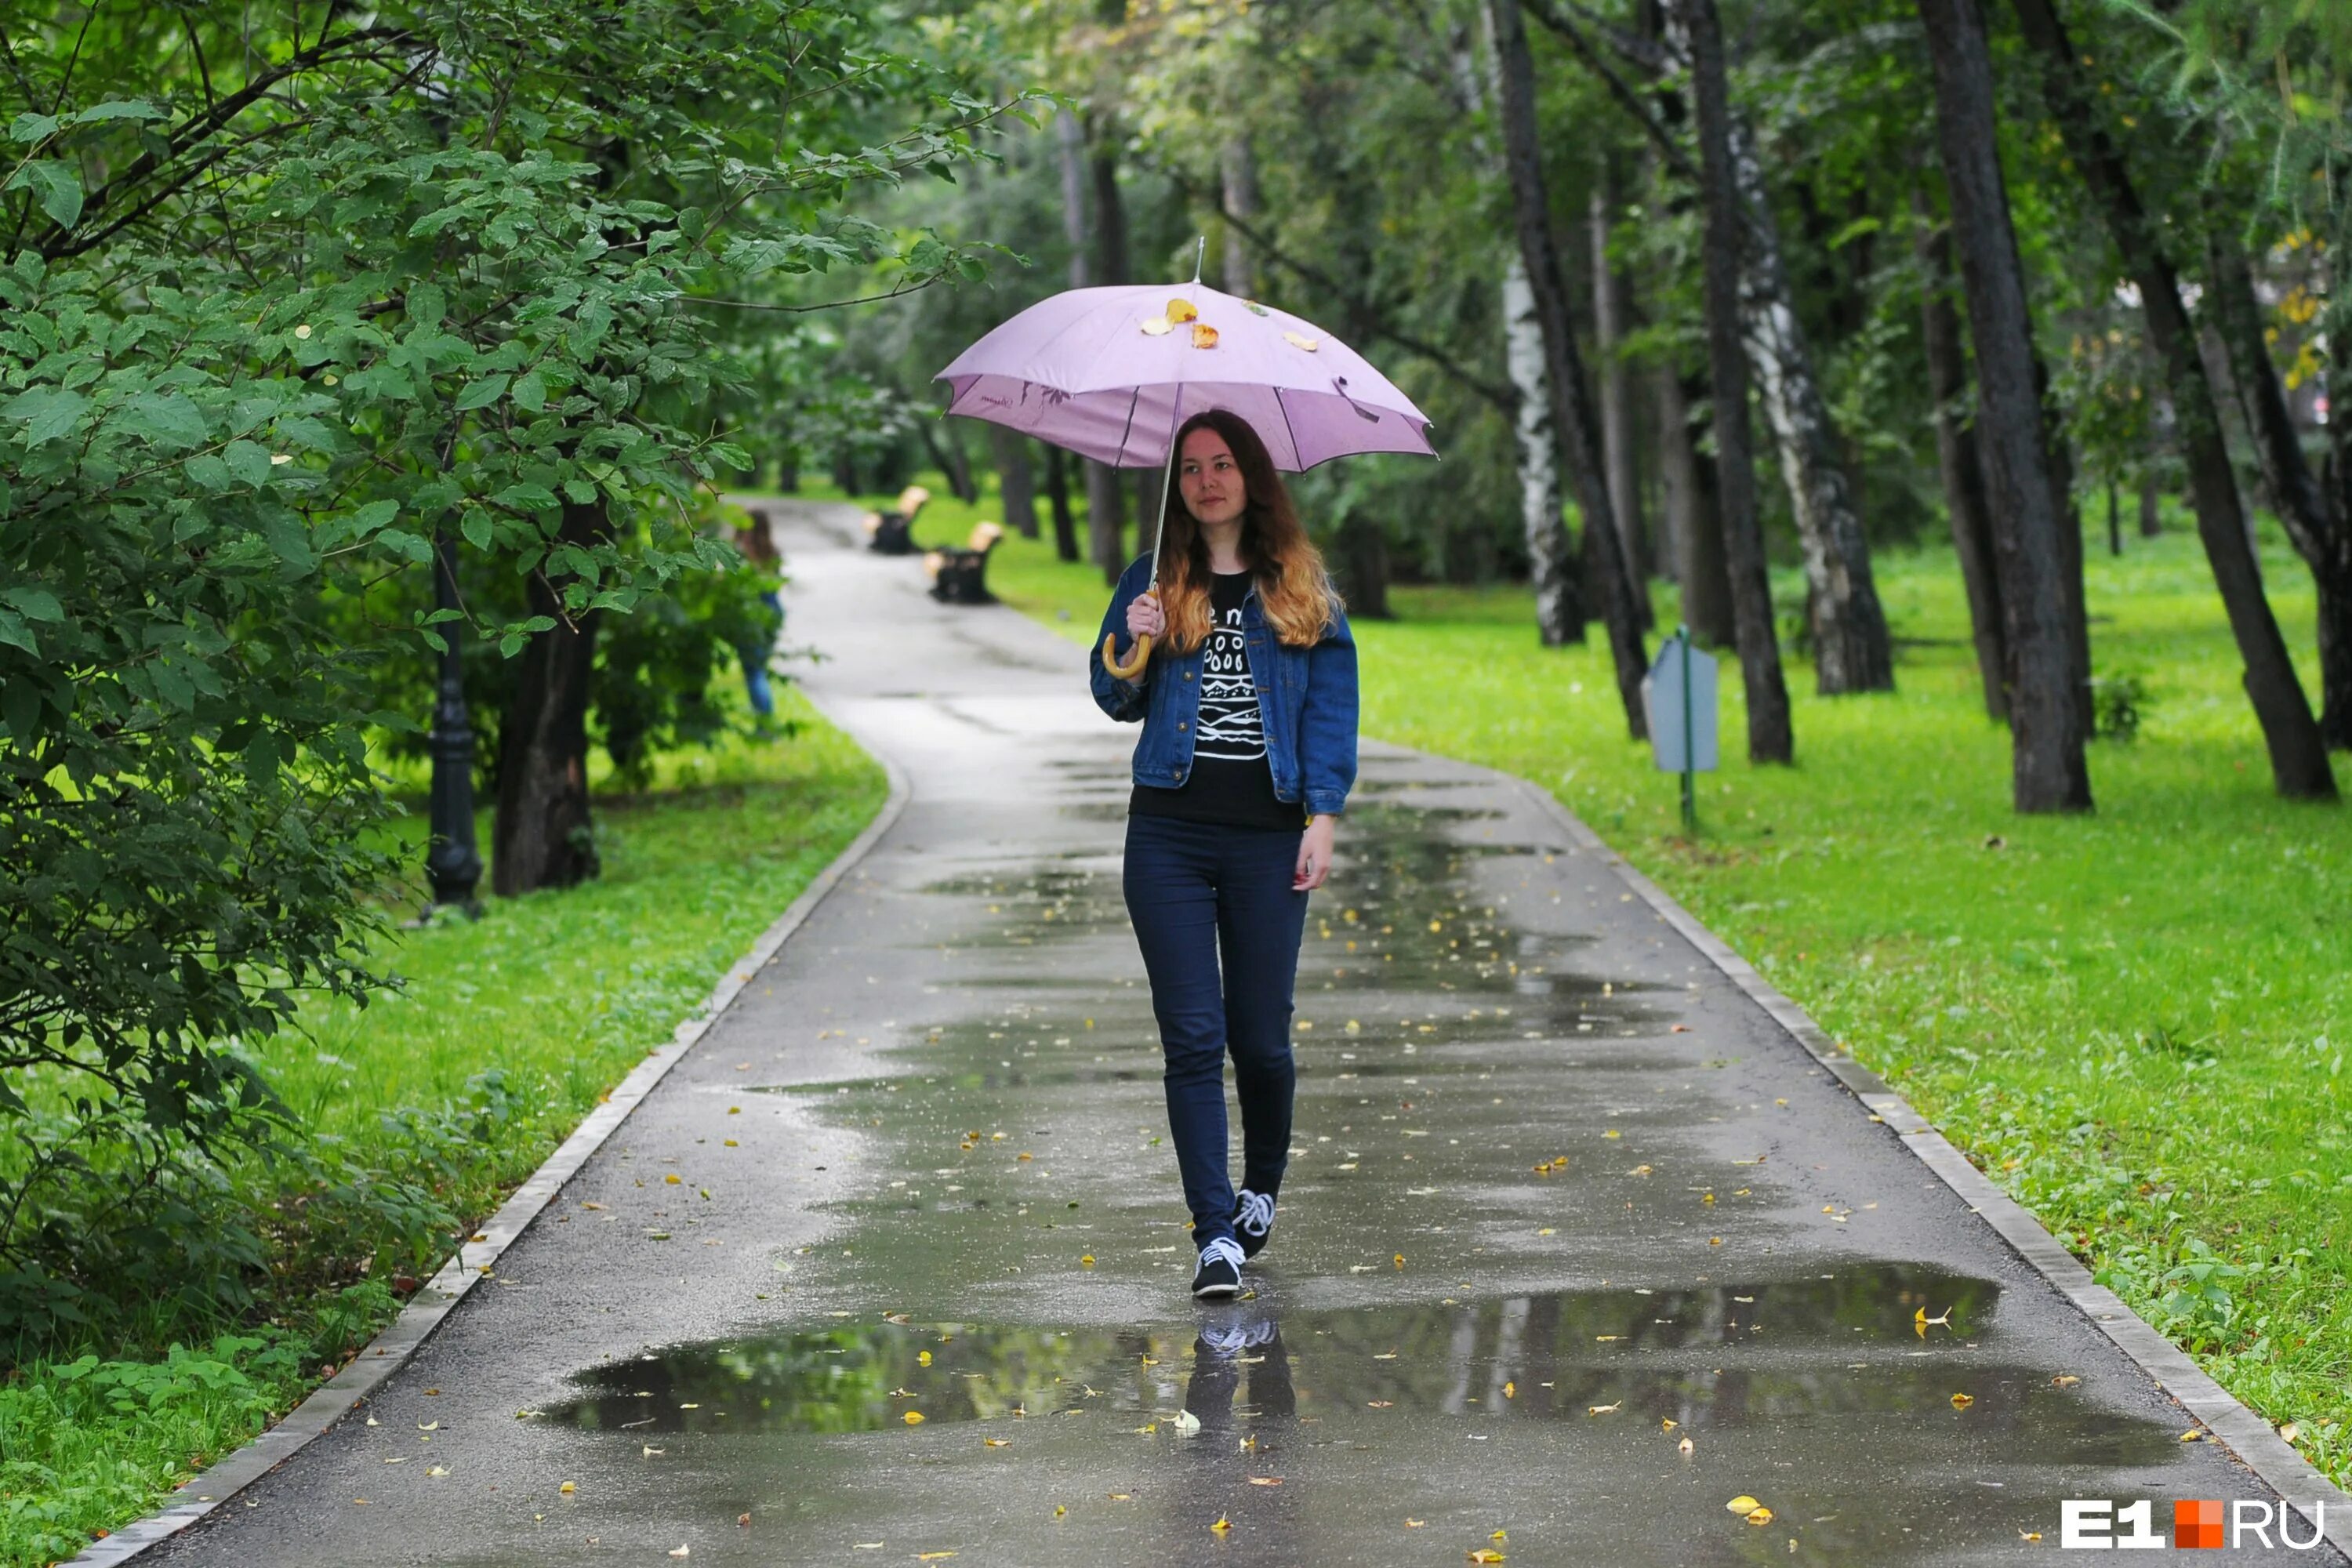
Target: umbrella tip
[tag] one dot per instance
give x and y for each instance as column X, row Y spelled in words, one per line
column 1200, row 250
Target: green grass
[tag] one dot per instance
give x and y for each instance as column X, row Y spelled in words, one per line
column 2136, row 1021
column 557, row 994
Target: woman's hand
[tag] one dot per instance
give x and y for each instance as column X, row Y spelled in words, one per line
column 1144, row 616
column 1314, row 854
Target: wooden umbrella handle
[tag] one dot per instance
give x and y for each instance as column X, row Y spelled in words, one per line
column 1136, row 660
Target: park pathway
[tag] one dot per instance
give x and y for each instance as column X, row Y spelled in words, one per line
column 1579, row 1245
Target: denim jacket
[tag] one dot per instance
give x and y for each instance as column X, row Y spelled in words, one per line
column 1307, row 699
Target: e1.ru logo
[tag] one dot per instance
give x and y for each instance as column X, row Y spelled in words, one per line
column 2098, row 1524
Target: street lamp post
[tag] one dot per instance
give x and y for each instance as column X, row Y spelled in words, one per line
column 451, row 861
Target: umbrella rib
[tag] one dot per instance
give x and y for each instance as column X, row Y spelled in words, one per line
column 1132, row 399
column 1279, row 401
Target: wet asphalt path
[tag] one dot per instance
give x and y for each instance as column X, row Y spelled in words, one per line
column 1577, row 1244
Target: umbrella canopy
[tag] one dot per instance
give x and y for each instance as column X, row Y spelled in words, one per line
column 1111, row 374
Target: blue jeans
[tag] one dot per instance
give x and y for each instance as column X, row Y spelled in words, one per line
column 1199, row 894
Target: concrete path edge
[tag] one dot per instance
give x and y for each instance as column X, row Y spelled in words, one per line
column 476, row 1260
column 2244, row 1434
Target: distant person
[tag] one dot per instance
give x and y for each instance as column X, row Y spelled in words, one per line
column 1248, row 750
column 758, row 547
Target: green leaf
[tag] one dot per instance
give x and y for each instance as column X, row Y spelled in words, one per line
column 14, row 631
column 374, row 515
column 476, row 526
column 208, row 472
column 56, row 185
column 167, row 418
column 119, row 108
column 508, row 645
column 527, row 498
column 32, row 127
column 579, row 491
column 39, row 604
column 426, row 305
column 481, row 394
column 47, row 412
column 247, row 462
column 400, row 541
column 530, row 394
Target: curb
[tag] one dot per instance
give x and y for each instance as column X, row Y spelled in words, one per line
column 2245, row 1434
column 405, row 1334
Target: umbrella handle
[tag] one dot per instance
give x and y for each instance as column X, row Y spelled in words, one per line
column 1133, row 669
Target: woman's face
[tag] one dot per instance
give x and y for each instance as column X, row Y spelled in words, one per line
column 1209, row 479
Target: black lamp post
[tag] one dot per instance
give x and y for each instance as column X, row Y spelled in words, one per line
column 451, row 861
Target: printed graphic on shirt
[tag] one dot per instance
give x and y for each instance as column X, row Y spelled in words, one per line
column 1230, row 730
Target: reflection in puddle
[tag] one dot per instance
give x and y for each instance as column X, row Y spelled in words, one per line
column 1722, row 1356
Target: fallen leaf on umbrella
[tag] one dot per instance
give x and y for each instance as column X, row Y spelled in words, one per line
column 1157, row 327
column 1300, row 340
column 1253, row 308
column 1205, row 336
column 1183, row 310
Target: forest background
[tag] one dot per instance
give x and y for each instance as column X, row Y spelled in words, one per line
column 2029, row 545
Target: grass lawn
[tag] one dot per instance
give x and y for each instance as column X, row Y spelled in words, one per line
column 2137, row 1021
column 505, row 1034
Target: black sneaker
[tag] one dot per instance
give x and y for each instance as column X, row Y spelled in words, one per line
column 1253, row 1221
column 1220, row 1273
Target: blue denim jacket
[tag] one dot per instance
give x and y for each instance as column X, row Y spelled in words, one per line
column 1307, row 698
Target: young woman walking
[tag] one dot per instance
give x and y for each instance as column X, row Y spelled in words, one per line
column 1248, row 750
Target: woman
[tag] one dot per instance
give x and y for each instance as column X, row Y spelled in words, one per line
column 1248, row 750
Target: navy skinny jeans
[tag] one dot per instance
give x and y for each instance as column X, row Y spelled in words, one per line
column 1200, row 894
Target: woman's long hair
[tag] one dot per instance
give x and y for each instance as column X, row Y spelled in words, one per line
column 1292, row 587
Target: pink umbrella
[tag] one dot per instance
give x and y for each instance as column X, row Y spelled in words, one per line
column 1112, row 373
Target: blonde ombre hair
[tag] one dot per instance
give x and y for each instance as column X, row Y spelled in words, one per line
column 1292, row 586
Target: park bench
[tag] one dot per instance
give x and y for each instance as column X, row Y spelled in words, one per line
column 892, row 533
column 961, row 576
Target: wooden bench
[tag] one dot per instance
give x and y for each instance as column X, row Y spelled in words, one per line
column 893, row 533
column 961, row 576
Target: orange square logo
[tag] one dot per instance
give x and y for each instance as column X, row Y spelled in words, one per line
column 2196, row 1523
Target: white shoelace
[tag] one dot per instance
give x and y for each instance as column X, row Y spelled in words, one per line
column 1257, row 1212
column 1224, row 1247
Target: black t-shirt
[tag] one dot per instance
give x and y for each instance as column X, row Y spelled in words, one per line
column 1231, row 783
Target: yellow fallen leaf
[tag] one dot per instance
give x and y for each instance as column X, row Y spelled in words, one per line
column 680, row 1550
column 2029, row 1535
column 922, row 1358
column 1612, row 1132
column 1962, row 1401
column 1265, row 1480
column 2291, row 1431
column 996, row 1442
column 1667, row 1422
column 1122, row 1497
column 1742, row 1503
column 932, row 1556
column 1685, row 1446
column 2192, row 1436
column 1300, row 340
column 1483, row 1555
column 1157, row 327
column 2064, row 1379
column 1087, row 1261
column 912, row 1418
column 438, row 1470
column 1205, row 336
column 1061, row 1511
column 568, row 1488
column 1499, row 1535
column 428, row 1425
column 673, row 1179
column 1510, row 1391
column 1183, row 310
column 1759, row 1516
column 1604, row 1409
column 1223, row 1524
column 1400, row 1260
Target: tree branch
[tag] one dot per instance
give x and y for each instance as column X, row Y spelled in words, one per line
column 1647, row 57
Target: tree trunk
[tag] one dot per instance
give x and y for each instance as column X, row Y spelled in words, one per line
column 946, row 449
column 1106, row 497
column 2318, row 523
column 1058, row 495
column 1239, row 167
column 2299, row 765
column 1578, row 430
column 1692, row 518
column 1617, row 423
column 542, row 835
column 2048, row 771
column 2074, row 601
column 1956, row 457
column 2151, row 513
column 1070, row 138
column 1560, row 607
column 1016, row 480
column 1363, row 568
column 1770, row 738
